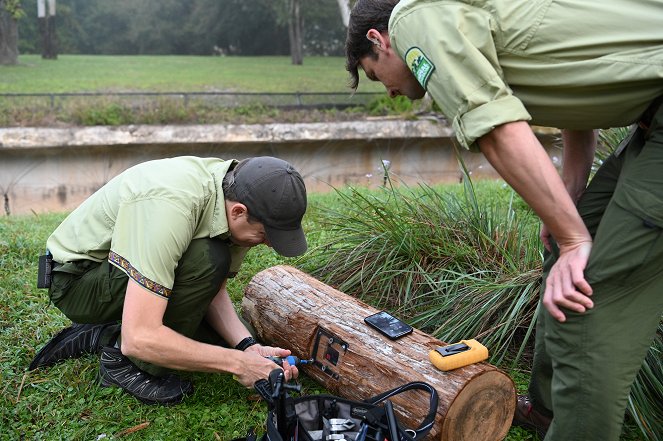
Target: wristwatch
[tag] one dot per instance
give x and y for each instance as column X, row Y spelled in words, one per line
column 246, row 343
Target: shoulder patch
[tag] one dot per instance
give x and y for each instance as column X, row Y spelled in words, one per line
column 419, row 64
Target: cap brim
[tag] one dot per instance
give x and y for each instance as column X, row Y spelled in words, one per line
column 288, row 243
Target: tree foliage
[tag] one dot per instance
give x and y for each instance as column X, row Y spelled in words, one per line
column 195, row 27
column 13, row 8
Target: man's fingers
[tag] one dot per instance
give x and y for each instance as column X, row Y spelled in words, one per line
column 552, row 308
column 562, row 293
column 566, row 287
column 579, row 282
column 554, row 311
column 572, row 304
column 544, row 235
column 583, row 300
column 553, row 291
column 291, row 373
column 569, row 297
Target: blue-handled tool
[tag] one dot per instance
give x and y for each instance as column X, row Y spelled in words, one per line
column 291, row 359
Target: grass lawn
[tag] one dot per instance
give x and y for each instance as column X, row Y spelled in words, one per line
column 102, row 75
column 98, row 73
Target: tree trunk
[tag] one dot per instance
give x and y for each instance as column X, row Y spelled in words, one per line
column 344, row 7
column 8, row 37
column 295, row 33
column 52, row 35
column 47, row 29
column 293, row 310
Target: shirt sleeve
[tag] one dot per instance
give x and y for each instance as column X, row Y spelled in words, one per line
column 237, row 255
column 455, row 44
column 149, row 238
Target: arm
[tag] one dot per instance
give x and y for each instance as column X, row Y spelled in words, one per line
column 223, row 318
column 578, row 156
column 579, row 149
column 516, row 154
column 221, row 315
column 144, row 336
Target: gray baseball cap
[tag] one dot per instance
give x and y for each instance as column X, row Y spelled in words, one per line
column 275, row 194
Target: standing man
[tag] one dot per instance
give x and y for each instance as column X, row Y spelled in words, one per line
column 154, row 248
column 492, row 67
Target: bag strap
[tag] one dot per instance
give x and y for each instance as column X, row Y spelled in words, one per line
column 264, row 389
column 429, row 420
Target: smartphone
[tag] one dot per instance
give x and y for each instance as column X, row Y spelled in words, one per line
column 388, row 325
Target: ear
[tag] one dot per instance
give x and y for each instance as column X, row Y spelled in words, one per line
column 380, row 41
column 236, row 210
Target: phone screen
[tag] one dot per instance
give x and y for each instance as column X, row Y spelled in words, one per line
column 388, row 325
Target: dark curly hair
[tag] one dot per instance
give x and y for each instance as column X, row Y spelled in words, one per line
column 365, row 15
column 228, row 187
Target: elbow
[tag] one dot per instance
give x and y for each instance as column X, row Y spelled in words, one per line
column 133, row 345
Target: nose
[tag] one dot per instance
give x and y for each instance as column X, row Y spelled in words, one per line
column 393, row 93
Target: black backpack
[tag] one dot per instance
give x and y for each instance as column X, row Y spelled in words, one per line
column 332, row 418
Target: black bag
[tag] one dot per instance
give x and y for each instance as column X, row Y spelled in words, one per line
column 332, row 418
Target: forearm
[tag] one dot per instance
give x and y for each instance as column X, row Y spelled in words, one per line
column 164, row 347
column 517, row 155
column 578, row 157
column 145, row 337
column 221, row 315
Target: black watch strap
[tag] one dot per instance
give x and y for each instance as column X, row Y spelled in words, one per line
column 245, row 343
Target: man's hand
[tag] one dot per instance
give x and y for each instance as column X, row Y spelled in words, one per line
column 566, row 286
column 257, row 367
column 518, row 156
column 545, row 237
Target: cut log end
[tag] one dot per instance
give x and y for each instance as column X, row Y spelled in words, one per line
column 483, row 409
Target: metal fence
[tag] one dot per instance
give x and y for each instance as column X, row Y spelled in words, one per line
column 58, row 101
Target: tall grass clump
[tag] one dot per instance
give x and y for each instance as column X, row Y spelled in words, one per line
column 645, row 403
column 456, row 264
column 608, row 141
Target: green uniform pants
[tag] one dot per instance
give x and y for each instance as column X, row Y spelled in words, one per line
column 93, row 292
column 583, row 368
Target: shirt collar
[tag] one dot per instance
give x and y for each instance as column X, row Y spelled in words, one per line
column 219, row 225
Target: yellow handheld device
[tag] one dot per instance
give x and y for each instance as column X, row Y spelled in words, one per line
column 458, row 355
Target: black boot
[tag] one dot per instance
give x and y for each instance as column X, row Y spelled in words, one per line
column 529, row 418
column 117, row 370
column 73, row 342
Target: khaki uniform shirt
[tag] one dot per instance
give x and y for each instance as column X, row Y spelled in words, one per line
column 577, row 65
column 143, row 220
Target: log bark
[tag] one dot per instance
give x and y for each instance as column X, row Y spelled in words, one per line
column 291, row 309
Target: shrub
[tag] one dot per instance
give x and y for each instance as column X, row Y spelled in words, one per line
column 452, row 265
column 112, row 114
column 385, row 105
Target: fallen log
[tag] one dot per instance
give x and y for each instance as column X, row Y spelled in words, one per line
column 291, row 309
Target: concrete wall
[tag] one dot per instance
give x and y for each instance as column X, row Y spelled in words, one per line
column 56, row 169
